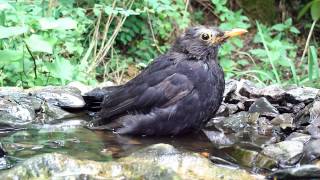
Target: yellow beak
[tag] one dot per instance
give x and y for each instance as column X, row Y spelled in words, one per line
column 234, row 32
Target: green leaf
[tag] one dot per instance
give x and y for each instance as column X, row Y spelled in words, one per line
column 278, row 27
column 315, row 10
column 304, row 10
column 61, row 68
column 294, row 30
column 8, row 56
column 61, row 23
column 314, row 59
column 37, row 43
column 6, row 32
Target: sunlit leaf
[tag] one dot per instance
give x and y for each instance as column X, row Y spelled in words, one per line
column 37, row 43
column 8, row 56
column 6, row 32
column 61, row 23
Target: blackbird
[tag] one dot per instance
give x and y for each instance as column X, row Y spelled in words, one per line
column 178, row 92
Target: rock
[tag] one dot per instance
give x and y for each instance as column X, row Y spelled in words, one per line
column 284, row 121
column 286, row 152
column 250, row 158
column 223, row 110
column 81, row 87
column 230, row 87
column 15, row 115
column 264, row 126
column 303, row 172
column 263, row 107
column 60, row 96
column 247, row 88
column 273, row 93
column 314, row 131
column 295, row 136
column 315, row 114
column 154, row 162
column 298, row 107
column 312, row 150
column 52, row 114
column 235, row 122
column 301, row 94
column 219, row 138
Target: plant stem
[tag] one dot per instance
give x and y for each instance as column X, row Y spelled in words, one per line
column 274, row 69
column 307, row 42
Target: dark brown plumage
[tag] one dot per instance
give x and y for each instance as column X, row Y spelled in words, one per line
column 176, row 93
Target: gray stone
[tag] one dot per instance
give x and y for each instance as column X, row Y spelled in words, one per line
column 283, row 120
column 15, row 115
column 159, row 161
column 295, row 136
column 60, row 96
column 302, row 94
column 312, row 150
column 263, row 107
column 286, row 152
column 302, row 172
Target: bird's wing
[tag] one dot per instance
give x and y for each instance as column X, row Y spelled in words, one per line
column 153, row 88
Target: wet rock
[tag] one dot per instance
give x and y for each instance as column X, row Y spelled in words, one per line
column 247, row 88
column 251, row 158
column 295, row 136
column 143, row 164
column 223, row 110
column 298, row 107
column 301, row 94
column 219, row 138
column 264, row 126
column 52, row 114
column 303, row 172
column 312, row 150
column 314, row 131
column 284, row 121
column 81, row 87
column 273, row 93
column 7, row 91
column 286, row 152
column 230, row 87
column 61, row 96
column 263, row 107
column 315, row 114
column 235, row 122
column 15, row 115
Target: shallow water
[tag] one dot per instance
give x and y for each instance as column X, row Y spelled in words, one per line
column 72, row 139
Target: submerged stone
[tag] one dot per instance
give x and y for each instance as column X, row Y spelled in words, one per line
column 286, row 152
column 160, row 161
column 303, row 172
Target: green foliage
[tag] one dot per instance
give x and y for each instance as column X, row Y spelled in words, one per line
column 58, row 41
column 230, row 20
column 314, row 6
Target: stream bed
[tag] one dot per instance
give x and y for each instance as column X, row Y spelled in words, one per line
column 258, row 133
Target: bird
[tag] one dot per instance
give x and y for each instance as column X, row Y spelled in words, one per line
column 175, row 94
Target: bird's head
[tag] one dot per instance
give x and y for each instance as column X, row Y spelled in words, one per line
column 202, row 41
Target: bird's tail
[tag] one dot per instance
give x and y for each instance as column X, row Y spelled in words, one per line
column 93, row 99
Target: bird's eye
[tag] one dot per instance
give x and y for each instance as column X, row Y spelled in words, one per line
column 205, row 36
